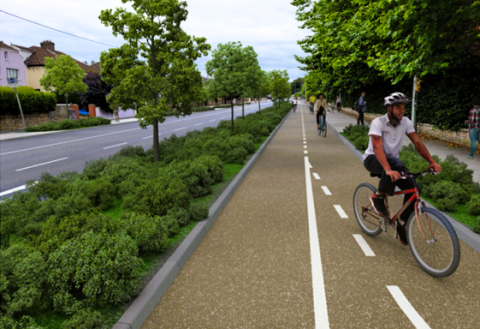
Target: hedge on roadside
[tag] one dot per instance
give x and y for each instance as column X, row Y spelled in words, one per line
column 32, row 101
column 68, row 255
column 69, row 124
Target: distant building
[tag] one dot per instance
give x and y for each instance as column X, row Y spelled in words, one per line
column 11, row 65
column 35, row 62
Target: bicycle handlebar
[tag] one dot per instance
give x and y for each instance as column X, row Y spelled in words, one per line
column 415, row 175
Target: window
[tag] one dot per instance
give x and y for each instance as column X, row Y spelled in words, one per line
column 6, row 55
column 11, row 73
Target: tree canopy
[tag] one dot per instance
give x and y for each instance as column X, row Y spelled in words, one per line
column 155, row 69
column 97, row 91
column 63, row 75
column 280, row 86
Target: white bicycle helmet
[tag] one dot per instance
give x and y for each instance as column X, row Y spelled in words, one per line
column 396, row 98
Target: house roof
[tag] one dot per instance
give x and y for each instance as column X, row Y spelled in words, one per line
column 95, row 68
column 4, row 45
column 22, row 48
column 39, row 55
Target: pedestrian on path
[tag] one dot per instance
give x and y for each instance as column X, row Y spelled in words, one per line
column 474, row 126
column 363, row 108
column 339, row 103
column 115, row 114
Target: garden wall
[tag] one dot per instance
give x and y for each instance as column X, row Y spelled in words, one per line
column 10, row 122
column 460, row 136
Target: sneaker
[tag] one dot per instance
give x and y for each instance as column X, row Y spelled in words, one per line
column 379, row 205
column 402, row 234
column 470, row 157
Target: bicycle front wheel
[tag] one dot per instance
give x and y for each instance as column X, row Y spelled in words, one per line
column 363, row 209
column 433, row 243
column 324, row 131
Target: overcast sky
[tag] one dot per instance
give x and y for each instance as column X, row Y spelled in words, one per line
column 267, row 25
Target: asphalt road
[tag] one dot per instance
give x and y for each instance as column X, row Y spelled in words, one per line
column 287, row 252
column 28, row 158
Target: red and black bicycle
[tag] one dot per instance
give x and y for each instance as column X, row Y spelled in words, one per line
column 431, row 238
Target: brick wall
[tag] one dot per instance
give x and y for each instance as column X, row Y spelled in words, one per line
column 14, row 122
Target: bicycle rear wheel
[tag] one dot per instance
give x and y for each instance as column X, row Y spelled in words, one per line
column 324, row 131
column 363, row 209
column 433, row 243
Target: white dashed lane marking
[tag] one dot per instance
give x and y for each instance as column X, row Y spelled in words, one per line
column 305, row 152
column 326, row 190
column 305, row 146
column 364, row 245
column 316, row 176
column 180, row 129
column 340, row 211
column 42, row 164
column 407, row 308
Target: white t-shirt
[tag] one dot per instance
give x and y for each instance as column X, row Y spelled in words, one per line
column 295, row 102
column 392, row 137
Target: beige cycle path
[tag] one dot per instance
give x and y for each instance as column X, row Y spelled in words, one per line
column 254, row 267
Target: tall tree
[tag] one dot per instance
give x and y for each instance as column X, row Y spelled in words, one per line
column 97, row 91
column 155, row 69
column 63, row 75
column 262, row 88
column 228, row 67
column 253, row 75
column 279, row 84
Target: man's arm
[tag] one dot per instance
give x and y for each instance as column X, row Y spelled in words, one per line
column 423, row 151
column 377, row 143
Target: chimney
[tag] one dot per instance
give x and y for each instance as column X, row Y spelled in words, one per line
column 48, row 45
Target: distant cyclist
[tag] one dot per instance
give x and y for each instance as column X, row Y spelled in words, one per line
column 295, row 103
column 381, row 158
column 321, row 112
column 312, row 101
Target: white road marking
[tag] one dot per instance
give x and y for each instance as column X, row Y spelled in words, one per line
column 407, row 308
column 340, row 211
column 326, row 190
column 147, row 137
column 316, row 176
column 41, row 164
column 180, row 129
column 13, row 190
column 304, row 142
column 109, row 147
column 76, row 140
column 198, row 124
column 364, row 245
column 306, row 152
column 319, row 296
column 213, row 120
column 305, row 146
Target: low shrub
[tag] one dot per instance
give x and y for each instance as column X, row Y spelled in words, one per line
column 245, row 141
column 476, row 229
column 100, row 192
column 214, row 166
column 71, row 204
column 198, row 212
column 157, row 196
column 69, row 124
column 449, row 190
column 447, row 205
column 93, row 168
column 193, row 174
column 85, row 319
column 237, row 155
column 361, row 143
column 171, row 224
column 131, row 151
column 150, row 233
column 181, row 215
column 32, row 101
column 216, row 147
column 474, row 205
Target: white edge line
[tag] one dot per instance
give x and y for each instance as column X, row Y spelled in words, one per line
column 407, row 308
column 109, row 147
column 319, row 295
column 41, row 164
column 340, row 211
column 364, row 245
column 316, row 176
column 147, row 137
column 326, row 190
column 13, row 190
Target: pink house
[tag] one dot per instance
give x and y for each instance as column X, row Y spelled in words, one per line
column 11, row 65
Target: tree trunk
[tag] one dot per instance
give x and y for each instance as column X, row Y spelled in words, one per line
column 156, row 155
column 259, row 108
column 66, row 99
column 231, row 103
column 243, row 107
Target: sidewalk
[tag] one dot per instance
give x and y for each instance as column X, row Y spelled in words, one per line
column 436, row 147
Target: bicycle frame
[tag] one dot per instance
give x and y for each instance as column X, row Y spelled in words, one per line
column 415, row 197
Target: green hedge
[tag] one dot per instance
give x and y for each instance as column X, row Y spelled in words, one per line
column 69, row 124
column 32, row 101
column 69, row 256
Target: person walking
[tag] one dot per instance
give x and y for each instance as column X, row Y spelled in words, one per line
column 363, row 108
column 339, row 103
column 474, row 126
column 115, row 114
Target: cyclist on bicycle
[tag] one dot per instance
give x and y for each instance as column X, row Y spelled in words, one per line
column 321, row 112
column 312, row 101
column 381, row 158
column 295, row 103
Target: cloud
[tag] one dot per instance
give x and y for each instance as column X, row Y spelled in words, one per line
column 267, row 25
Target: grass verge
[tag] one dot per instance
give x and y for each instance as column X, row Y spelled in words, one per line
column 460, row 215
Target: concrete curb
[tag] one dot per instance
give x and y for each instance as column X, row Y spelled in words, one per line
column 138, row 312
column 463, row 232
